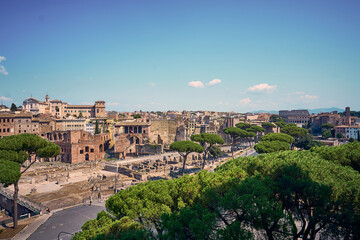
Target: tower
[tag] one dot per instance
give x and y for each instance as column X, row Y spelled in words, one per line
column 47, row 99
column 99, row 109
column 347, row 114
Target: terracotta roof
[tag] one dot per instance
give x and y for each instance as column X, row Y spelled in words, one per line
column 80, row 106
column 132, row 124
column 21, row 115
column 5, row 114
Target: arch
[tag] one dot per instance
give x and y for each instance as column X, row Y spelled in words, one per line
column 87, row 157
column 137, row 141
column 101, row 148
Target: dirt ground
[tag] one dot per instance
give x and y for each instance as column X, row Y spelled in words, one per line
column 58, row 185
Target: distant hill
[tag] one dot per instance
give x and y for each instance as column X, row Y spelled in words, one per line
column 311, row 111
column 323, row 110
column 265, row 111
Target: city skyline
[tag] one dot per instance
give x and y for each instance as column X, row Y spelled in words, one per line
column 205, row 55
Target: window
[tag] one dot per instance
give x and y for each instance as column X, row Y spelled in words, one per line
column 81, row 151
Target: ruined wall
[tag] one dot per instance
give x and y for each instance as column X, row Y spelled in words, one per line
column 163, row 131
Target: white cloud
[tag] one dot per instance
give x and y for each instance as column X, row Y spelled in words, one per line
column 214, row 82
column 310, row 97
column 306, row 97
column 113, row 104
column 2, row 68
column 196, row 84
column 152, row 84
column 262, row 88
column 6, row 99
column 245, row 101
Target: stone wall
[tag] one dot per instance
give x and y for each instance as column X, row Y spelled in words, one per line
column 163, row 131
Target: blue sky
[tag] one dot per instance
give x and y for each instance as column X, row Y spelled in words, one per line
column 162, row 55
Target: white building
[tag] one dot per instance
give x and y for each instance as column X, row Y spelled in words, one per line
column 90, row 126
column 352, row 132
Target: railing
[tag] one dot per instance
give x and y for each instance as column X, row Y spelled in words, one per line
column 23, row 201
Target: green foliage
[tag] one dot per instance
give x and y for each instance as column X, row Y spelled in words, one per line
column 236, row 133
column 215, row 151
column 294, row 131
column 255, row 129
column 274, row 142
column 250, row 128
column 207, row 141
column 280, row 124
column 186, row 147
column 243, row 126
column 267, row 194
column 13, row 107
column 9, row 172
column 268, row 125
column 136, row 116
column 306, row 142
column 278, row 137
column 326, row 134
column 346, row 154
column 339, row 135
column 209, row 138
column 275, row 118
column 97, row 130
column 50, row 151
column 13, row 156
column 189, row 223
column 271, row 146
column 327, row 126
column 14, row 150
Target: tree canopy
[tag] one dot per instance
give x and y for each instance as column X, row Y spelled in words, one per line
column 267, row 195
column 327, row 126
column 294, row 131
column 326, row 134
column 207, row 141
column 271, row 146
column 184, row 148
column 306, row 142
column 278, row 137
column 14, row 151
column 236, row 133
column 268, row 125
column 13, row 107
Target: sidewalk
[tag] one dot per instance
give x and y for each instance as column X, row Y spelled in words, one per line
column 28, row 230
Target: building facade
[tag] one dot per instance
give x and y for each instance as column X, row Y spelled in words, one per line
column 61, row 109
column 79, row 146
column 298, row 117
column 7, row 127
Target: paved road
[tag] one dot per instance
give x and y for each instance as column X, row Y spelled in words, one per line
column 68, row 220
